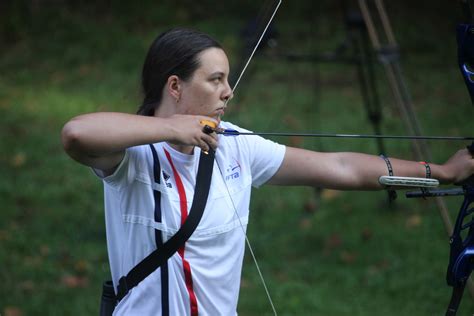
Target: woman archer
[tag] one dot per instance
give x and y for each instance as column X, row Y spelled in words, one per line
column 184, row 81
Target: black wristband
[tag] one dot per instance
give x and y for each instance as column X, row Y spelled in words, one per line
column 427, row 175
column 428, row 169
column 392, row 195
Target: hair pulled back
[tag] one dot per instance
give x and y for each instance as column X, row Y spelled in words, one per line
column 174, row 52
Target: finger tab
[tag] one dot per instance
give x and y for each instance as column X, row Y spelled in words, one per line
column 207, row 129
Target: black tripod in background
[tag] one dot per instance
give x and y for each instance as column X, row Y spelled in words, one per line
column 355, row 51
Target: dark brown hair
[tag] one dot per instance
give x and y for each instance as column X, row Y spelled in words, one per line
column 174, row 52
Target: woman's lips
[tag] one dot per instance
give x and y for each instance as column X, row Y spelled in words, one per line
column 220, row 112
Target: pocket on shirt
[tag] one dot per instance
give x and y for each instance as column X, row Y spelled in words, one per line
column 220, row 215
column 139, row 204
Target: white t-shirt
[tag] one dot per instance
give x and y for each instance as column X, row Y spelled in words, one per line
column 205, row 276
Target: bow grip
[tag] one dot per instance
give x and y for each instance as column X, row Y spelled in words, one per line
column 469, row 181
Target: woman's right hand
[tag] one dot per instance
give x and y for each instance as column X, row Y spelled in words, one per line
column 189, row 130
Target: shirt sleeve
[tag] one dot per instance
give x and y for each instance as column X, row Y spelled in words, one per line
column 264, row 156
column 125, row 172
column 267, row 159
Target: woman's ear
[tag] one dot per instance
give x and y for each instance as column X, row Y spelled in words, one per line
column 174, row 87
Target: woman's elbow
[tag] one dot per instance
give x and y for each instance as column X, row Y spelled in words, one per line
column 71, row 136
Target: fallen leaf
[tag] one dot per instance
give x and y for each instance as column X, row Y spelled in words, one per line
column 33, row 261
column 310, row 206
column 295, row 141
column 348, row 257
column 4, row 104
column 306, row 223
column 366, row 234
column 72, row 281
column 44, row 250
column 383, row 264
column 413, row 221
column 57, row 77
column 292, row 121
column 18, row 160
column 332, row 242
column 244, row 283
column 81, row 266
column 28, row 286
column 85, row 69
column 4, row 235
column 12, row 311
column 330, row 194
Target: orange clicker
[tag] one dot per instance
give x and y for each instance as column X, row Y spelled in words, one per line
column 209, row 126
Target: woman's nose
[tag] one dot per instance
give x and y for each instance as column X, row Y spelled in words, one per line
column 228, row 94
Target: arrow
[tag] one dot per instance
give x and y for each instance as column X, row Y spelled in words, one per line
column 232, row 132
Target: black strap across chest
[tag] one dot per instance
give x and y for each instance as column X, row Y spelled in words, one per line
column 160, row 256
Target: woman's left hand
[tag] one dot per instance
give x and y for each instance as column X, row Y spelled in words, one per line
column 459, row 167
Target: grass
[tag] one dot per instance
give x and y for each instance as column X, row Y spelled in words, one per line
column 344, row 253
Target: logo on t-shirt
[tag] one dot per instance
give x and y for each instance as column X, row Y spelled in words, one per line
column 233, row 171
column 166, row 177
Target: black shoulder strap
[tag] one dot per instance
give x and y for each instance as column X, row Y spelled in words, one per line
column 158, row 257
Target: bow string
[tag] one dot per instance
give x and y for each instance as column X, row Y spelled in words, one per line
column 254, row 258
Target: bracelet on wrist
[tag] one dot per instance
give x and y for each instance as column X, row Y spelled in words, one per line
column 428, row 169
column 392, row 195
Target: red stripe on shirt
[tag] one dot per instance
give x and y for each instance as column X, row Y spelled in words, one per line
column 183, row 204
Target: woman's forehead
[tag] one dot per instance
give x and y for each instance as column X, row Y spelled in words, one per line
column 213, row 59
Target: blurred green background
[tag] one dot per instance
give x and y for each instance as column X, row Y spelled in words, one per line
column 333, row 253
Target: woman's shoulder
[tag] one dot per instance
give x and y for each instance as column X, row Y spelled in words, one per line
column 250, row 142
column 144, row 152
column 229, row 125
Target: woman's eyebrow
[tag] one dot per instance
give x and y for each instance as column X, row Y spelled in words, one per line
column 217, row 73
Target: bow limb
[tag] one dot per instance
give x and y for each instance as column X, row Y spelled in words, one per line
column 461, row 257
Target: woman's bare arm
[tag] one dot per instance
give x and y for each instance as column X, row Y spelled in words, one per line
column 99, row 140
column 356, row 171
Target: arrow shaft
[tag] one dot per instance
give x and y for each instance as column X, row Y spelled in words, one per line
column 236, row 133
